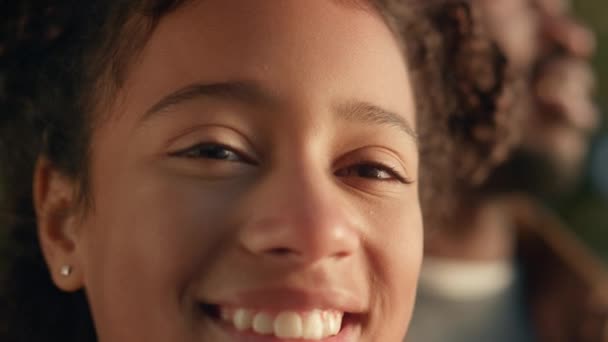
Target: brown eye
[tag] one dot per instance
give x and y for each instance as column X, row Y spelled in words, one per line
column 372, row 171
column 211, row 151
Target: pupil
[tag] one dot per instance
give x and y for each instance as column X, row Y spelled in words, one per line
column 216, row 152
column 370, row 172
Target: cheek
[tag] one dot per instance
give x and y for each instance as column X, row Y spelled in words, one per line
column 146, row 239
column 396, row 255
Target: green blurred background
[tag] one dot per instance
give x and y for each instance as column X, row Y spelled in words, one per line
column 586, row 209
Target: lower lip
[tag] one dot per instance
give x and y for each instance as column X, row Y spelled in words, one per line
column 349, row 333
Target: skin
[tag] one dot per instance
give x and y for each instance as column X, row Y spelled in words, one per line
column 295, row 212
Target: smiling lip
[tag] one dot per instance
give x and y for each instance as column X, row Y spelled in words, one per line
column 281, row 299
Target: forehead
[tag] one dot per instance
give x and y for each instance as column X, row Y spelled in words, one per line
column 286, row 45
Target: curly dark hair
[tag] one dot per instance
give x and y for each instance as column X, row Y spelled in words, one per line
column 61, row 60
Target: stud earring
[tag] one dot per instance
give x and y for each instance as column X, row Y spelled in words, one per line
column 65, row 270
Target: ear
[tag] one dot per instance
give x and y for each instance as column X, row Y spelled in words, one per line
column 58, row 219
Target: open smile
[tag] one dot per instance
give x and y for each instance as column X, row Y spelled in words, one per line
column 260, row 325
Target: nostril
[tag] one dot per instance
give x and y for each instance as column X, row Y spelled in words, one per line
column 342, row 255
column 286, row 251
column 300, row 240
column 280, row 251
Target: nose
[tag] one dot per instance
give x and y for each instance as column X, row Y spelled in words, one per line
column 302, row 219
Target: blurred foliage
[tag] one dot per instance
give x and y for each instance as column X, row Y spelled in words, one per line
column 586, row 209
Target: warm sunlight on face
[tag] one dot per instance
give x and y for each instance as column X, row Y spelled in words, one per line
column 257, row 181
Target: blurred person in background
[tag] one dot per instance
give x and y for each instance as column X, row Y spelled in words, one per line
column 505, row 269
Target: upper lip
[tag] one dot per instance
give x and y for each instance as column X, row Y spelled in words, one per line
column 294, row 299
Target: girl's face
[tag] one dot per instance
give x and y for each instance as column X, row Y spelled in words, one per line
column 256, row 180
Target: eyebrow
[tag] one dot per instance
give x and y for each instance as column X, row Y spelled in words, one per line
column 247, row 92
column 369, row 113
column 251, row 92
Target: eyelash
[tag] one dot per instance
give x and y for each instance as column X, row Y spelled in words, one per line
column 193, row 153
column 395, row 176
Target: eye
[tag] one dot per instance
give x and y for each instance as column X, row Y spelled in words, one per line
column 373, row 171
column 213, row 151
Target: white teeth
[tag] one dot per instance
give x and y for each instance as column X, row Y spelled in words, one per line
column 337, row 323
column 325, row 316
column 333, row 322
column 313, row 326
column 225, row 315
column 263, row 323
column 288, row 324
column 242, row 319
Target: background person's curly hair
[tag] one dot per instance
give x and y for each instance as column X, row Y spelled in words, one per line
column 60, row 61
